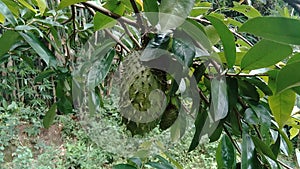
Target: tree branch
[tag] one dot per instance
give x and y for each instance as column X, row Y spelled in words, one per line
column 109, row 13
column 138, row 15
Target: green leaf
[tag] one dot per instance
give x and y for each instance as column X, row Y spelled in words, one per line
column 40, row 48
column 5, row 11
column 199, row 124
column 225, row 154
column 173, row 13
column 276, row 146
column 2, row 18
column 219, row 98
column 200, row 9
column 100, row 69
column 274, row 28
column 8, row 39
column 297, row 156
column 227, row 39
column 248, row 10
column 287, row 143
column 258, row 82
column 27, row 5
column 50, row 115
column 265, row 53
column 262, row 147
column 123, row 166
column 249, row 157
column 42, row 4
column 184, row 50
column 294, row 58
column 151, row 11
column 247, row 90
column 43, row 75
column 287, row 77
column 115, row 6
column 232, row 88
column 157, row 165
column 212, row 34
column 102, row 21
column 196, row 32
column 282, row 105
column 27, row 28
column 65, row 3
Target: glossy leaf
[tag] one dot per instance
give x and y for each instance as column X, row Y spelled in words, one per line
column 278, row 29
column 262, row 147
column 102, row 21
column 298, row 156
column 5, row 11
column 12, row 7
column 219, row 98
column 227, row 39
column 66, row 3
column 7, row 39
column 248, row 10
column 225, row 155
column 50, row 115
column 184, row 50
column 172, row 13
column 265, row 53
column 40, row 48
column 294, row 58
column 282, row 105
column 287, row 78
column 249, row 157
column 151, row 11
column 100, row 69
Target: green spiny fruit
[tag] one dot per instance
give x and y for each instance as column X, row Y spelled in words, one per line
column 137, row 83
column 169, row 117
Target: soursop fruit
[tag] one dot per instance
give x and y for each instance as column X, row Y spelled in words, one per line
column 137, row 83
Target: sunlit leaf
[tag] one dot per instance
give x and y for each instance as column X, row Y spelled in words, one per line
column 27, row 5
column 42, row 4
column 287, row 78
column 102, row 21
column 5, row 11
column 265, row 53
column 172, row 13
column 227, row 39
column 247, row 10
column 279, row 29
column 282, row 105
column 66, row 3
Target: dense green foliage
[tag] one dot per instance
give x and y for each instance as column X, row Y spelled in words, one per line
column 243, row 58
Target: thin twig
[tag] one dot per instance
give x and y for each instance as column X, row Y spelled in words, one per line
column 138, row 15
column 109, row 13
column 117, row 40
column 130, row 35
